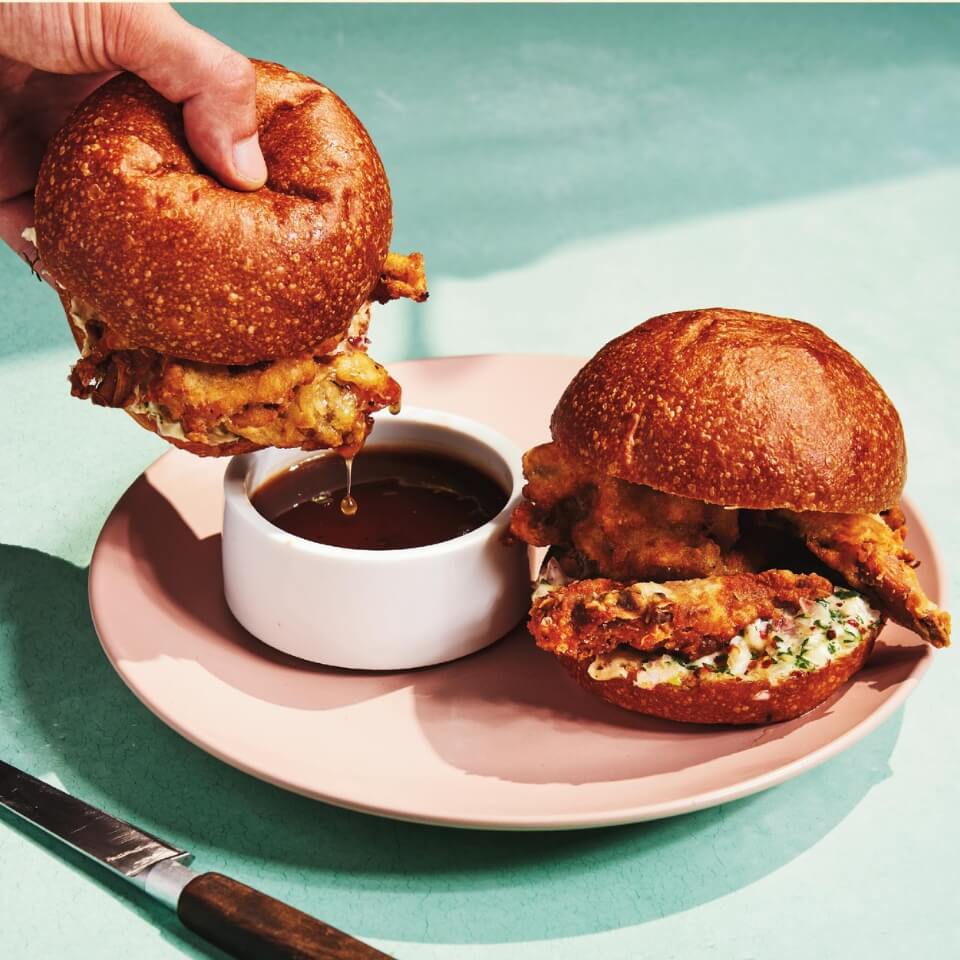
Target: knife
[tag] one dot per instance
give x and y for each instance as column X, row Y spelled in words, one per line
column 240, row 920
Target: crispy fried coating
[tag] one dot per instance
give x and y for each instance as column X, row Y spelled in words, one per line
column 695, row 617
column 633, row 531
column 627, row 530
column 402, row 276
column 557, row 494
column 310, row 402
column 109, row 377
column 871, row 557
column 552, row 476
column 896, row 520
column 317, row 400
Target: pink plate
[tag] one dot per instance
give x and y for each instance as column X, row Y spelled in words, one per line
column 501, row 739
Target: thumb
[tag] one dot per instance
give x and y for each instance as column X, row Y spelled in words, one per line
column 215, row 84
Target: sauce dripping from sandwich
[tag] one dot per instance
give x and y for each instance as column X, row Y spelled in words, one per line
column 407, row 497
column 348, row 506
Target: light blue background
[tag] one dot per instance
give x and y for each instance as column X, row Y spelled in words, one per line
column 568, row 171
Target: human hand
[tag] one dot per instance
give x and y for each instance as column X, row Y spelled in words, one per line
column 53, row 55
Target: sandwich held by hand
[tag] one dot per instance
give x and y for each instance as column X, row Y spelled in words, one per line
column 222, row 320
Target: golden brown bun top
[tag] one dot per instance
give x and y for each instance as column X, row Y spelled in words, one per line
column 740, row 409
column 128, row 222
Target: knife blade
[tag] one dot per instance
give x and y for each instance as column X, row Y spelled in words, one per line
column 239, row 919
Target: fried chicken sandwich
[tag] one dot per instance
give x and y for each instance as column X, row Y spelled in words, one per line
column 721, row 504
column 224, row 321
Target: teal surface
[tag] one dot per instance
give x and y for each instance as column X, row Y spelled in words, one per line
column 568, row 171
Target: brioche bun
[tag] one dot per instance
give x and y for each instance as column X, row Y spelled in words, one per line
column 127, row 222
column 739, row 409
column 723, row 699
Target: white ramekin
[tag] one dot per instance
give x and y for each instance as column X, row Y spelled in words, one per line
column 377, row 609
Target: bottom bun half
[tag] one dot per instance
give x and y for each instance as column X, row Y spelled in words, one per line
column 712, row 698
column 228, row 449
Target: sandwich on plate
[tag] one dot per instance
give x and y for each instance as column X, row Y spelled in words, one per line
column 721, row 504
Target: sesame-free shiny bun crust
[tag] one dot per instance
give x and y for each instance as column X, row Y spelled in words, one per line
column 739, row 409
column 172, row 260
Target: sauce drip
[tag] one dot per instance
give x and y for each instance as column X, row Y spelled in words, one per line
column 406, row 498
column 348, row 506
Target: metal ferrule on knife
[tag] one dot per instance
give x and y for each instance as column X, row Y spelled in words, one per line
column 243, row 921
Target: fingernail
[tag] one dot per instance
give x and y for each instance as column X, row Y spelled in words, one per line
column 248, row 160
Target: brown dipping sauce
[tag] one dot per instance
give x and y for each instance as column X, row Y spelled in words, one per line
column 405, row 498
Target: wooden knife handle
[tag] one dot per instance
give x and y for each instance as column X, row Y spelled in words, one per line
column 249, row 924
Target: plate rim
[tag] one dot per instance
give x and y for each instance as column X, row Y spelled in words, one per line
column 630, row 813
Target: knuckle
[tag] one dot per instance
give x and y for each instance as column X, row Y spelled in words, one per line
column 236, row 74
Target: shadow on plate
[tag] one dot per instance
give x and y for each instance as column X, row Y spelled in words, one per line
column 75, row 717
